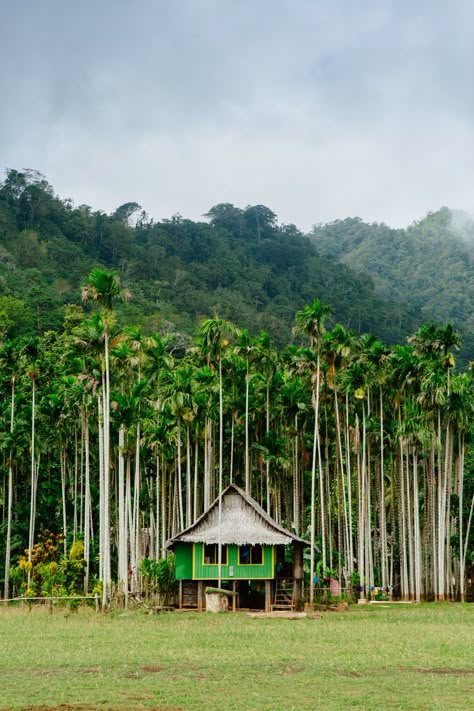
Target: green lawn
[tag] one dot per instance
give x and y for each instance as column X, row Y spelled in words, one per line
column 403, row 657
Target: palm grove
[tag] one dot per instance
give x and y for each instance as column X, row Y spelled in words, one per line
column 113, row 438
column 116, row 441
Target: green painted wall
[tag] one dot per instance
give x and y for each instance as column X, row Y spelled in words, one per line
column 187, row 569
column 184, row 561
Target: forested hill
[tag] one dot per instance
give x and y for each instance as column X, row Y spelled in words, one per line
column 428, row 266
column 239, row 263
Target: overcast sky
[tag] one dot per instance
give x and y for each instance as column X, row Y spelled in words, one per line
column 319, row 110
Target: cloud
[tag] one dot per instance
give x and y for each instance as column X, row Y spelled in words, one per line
column 462, row 226
column 319, row 110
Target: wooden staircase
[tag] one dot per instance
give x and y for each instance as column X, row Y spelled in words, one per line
column 283, row 594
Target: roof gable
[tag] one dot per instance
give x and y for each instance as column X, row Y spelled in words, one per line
column 244, row 522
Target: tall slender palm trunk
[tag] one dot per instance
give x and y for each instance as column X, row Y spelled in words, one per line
column 247, row 454
column 87, row 498
column 34, row 479
column 383, row 518
column 221, row 464
column 316, row 457
column 62, row 457
column 6, row 590
column 122, row 520
column 107, row 579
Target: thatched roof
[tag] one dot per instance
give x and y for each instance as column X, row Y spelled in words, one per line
column 244, row 522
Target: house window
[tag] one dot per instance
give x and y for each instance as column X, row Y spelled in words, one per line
column 250, row 555
column 210, row 554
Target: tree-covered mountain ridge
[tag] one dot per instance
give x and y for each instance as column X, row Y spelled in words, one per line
column 237, row 262
column 428, row 266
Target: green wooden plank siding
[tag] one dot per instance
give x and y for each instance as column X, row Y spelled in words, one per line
column 241, row 572
column 184, row 561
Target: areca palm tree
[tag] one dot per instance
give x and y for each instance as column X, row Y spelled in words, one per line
column 127, row 408
column 266, row 362
column 461, row 414
column 9, row 365
column 311, row 322
column 294, row 410
column 54, row 419
column 102, row 288
column 9, row 493
column 214, row 334
column 249, row 348
column 339, row 345
column 177, row 393
column 33, row 374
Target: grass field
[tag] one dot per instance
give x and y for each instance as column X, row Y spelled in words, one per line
column 400, row 657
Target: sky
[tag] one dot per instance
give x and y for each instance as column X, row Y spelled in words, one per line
column 319, row 110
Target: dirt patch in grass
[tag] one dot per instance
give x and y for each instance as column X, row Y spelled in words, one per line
column 351, row 674
column 46, row 672
column 445, row 670
column 60, row 707
column 90, row 670
column 131, row 675
column 80, row 707
column 153, row 668
column 291, row 670
column 145, row 697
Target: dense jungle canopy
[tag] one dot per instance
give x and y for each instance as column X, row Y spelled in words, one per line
column 121, row 416
column 237, row 262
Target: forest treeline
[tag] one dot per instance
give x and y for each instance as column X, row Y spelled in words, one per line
column 237, row 262
column 112, row 441
column 428, row 266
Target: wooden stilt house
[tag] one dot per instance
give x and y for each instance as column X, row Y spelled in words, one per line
column 261, row 562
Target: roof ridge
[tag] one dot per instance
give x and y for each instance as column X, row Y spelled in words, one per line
column 254, row 505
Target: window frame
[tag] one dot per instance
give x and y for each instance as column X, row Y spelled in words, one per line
column 214, row 546
column 252, row 549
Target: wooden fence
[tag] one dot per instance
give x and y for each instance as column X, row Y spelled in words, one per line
column 50, row 601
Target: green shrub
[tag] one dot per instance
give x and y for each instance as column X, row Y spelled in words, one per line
column 159, row 576
column 50, row 572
